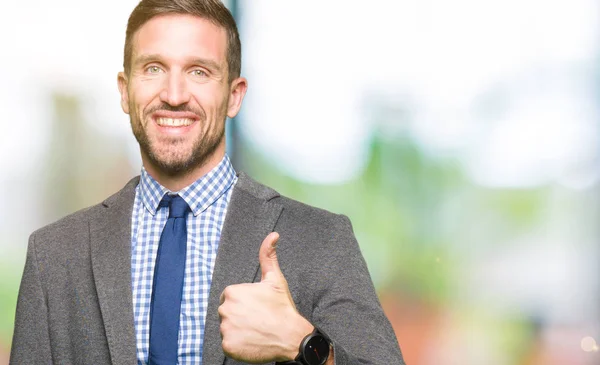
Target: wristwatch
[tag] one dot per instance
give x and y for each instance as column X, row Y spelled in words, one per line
column 314, row 350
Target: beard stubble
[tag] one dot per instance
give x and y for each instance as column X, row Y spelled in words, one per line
column 203, row 147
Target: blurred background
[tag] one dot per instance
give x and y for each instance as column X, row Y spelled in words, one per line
column 460, row 137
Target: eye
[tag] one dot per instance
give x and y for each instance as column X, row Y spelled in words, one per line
column 153, row 70
column 199, row 72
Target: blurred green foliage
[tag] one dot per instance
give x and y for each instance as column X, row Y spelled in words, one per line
column 11, row 270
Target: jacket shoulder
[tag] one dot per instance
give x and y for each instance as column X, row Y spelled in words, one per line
column 67, row 225
column 266, row 193
column 294, row 213
column 75, row 226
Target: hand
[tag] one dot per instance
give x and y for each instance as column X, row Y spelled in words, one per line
column 259, row 321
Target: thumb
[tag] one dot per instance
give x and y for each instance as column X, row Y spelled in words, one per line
column 267, row 257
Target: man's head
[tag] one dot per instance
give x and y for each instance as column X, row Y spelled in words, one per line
column 180, row 81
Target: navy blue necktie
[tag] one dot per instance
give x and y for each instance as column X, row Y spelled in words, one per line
column 168, row 284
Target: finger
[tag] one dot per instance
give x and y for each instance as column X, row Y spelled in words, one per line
column 267, row 257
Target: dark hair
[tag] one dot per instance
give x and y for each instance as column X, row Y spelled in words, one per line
column 212, row 10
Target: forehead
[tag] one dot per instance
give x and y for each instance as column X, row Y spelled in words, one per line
column 181, row 36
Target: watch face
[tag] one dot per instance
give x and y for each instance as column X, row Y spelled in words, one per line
column 316, row 350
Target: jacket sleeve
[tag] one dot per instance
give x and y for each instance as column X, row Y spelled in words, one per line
column 348, row 309
column 31, row 340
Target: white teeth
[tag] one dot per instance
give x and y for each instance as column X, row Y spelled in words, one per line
column 178, row 122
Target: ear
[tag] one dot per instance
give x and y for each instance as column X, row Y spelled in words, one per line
column 122, row 82
column 236, row 96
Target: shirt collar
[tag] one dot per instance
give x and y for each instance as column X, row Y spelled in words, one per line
column 200, row 195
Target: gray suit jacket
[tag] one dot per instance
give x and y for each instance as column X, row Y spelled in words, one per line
column 75, row 301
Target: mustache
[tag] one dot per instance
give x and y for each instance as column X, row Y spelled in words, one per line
column 179, row 108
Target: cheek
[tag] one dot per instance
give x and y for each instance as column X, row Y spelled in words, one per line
column 209, row 93
column 144, row 94
column 214, row 101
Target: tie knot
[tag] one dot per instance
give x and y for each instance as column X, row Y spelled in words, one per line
column 178, row 208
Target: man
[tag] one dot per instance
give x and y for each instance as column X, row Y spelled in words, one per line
column 181, row 265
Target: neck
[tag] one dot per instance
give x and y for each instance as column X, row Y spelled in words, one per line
column 178, row 182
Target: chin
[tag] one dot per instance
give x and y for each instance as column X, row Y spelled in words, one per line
column 174, row 168
column 172, row 164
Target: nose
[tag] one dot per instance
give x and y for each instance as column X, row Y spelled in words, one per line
column 175, row 91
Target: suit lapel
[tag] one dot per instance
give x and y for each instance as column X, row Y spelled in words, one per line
column 250, row 218
column 110, row 240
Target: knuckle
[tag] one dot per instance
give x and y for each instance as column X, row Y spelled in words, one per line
column 224, row 327
column 227, row 292
column 227, row 347
column 222, row 311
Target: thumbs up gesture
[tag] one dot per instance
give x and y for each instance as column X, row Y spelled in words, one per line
column 259, row 321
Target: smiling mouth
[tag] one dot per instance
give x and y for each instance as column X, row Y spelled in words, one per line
column 174, row 122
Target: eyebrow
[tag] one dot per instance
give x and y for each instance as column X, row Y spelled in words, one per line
column 147, row 58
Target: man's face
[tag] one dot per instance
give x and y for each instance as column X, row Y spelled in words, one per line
column 177, row 92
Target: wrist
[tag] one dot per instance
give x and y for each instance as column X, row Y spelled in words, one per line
column 331, row 358
column 300, row 329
